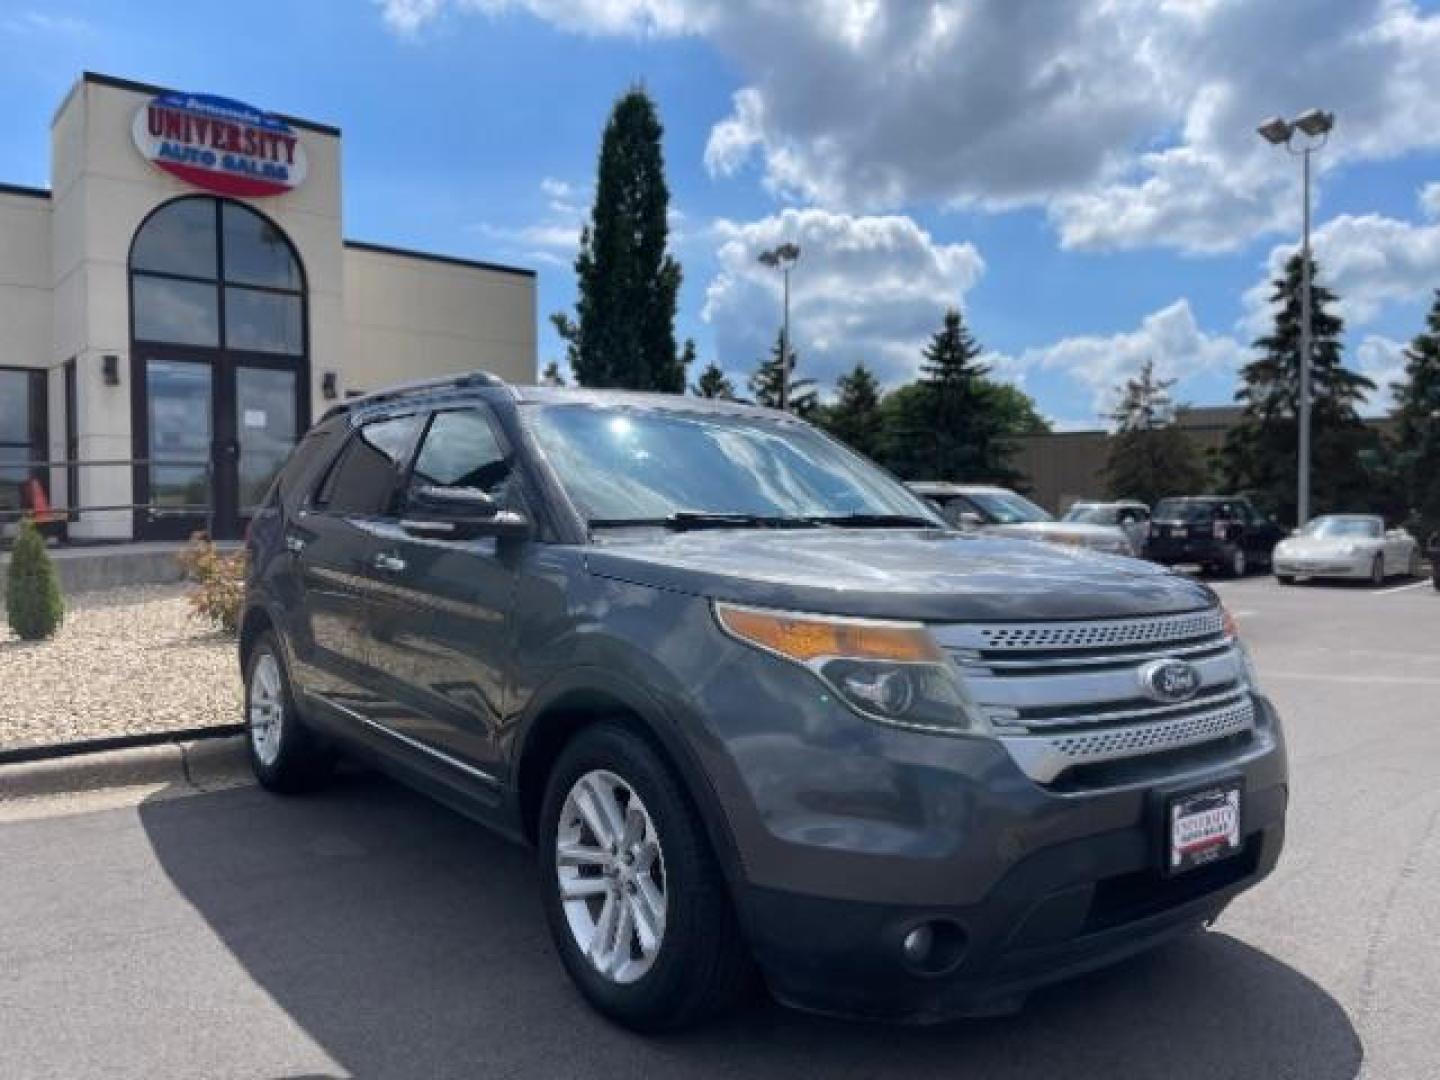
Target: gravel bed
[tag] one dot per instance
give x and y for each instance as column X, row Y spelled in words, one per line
column 127, row 660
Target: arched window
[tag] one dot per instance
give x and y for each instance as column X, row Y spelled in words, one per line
column 213, row 273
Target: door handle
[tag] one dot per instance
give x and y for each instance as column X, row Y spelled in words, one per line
column 391, row 564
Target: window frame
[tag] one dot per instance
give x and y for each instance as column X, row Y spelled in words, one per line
column 399, row 482
column 488, row 415
column 37, row 414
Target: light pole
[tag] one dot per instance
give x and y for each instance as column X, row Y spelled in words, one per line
column 783, row 258
column 1315, row 125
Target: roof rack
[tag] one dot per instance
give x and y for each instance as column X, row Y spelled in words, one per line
column 414, row 389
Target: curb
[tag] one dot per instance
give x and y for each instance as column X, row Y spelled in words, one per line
column 46, row 751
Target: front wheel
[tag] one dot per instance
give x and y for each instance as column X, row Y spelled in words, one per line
column 636, row 903
column 1377, row 571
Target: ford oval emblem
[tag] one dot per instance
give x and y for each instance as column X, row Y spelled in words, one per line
column 1170, row 681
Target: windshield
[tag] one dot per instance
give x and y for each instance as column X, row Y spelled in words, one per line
column 1185, row 510
column 625, row 464
column 1360, row 528
column 1092, row 515
column 1007, row 508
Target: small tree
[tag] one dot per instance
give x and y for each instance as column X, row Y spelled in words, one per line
column 1417, row 447
column 800, row 396
column 219, row 593
column 714, row 384
column 1150, row 457
column 855, row 418
column 33, row 603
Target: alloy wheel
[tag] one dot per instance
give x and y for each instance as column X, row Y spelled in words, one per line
column 267, row 708
column 610, row 871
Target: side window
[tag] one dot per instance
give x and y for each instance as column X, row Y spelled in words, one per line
column 363, row 479
column 461, row 449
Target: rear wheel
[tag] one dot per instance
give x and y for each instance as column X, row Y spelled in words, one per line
column 637, row 905
column 1236, row 564
column 1377, row 571
column 284, row 755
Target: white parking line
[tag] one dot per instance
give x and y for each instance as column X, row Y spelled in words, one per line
column 1402, row 588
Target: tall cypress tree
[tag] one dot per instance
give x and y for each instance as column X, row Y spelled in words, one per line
column 1261, row 455
column 800, row 395
column 1150, row 457
column 714, row 384
column 855, row 417
column 1417, row 398
column 623, row 334
column 963, row 439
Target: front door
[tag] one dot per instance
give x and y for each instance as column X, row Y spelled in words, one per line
column 212, row 432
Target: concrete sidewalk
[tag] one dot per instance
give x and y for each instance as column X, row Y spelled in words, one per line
column 116, row 778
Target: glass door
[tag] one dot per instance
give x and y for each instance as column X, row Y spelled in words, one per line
column 178, row 480
column 266, row 427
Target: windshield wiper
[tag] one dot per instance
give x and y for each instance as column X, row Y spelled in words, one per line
column 688, row 520
column 875, row 521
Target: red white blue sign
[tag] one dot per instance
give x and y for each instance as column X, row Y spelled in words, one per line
column 220, row 145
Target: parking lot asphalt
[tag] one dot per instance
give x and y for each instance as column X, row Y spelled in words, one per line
column 367, row 932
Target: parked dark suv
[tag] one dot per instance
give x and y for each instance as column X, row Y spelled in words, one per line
column 1224, row 534
column 753, row 703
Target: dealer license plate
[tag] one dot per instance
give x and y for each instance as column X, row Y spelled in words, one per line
column 1203, row 826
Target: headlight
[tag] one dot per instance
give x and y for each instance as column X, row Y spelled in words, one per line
column 1247, row 663
column 892, row 672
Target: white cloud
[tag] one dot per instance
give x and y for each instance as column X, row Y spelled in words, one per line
column 1130, row 122
column 44, row 22
column 1370, row 261
column 868, row 289
column 1096, row 363
column 633, row 17
column 1430, row 199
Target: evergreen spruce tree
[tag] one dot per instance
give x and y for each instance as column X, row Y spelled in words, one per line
column 1260, row 456
column 33, row 604
column 1150, row 457
column 964, row 438
column 623, row 333
column 1417, row 413
column 714, row 384
column 855, row 417
column 551, row 375
column 800, row 395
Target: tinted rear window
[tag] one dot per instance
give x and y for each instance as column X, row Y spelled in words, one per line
column 1185, row 510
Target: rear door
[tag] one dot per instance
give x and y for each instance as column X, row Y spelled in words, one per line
column 332, row 540
column 440, row 629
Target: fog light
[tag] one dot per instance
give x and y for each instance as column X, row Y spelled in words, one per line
column 917, row 945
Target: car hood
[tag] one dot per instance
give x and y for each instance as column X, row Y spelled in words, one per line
column 925, row 574
column 1327, row 545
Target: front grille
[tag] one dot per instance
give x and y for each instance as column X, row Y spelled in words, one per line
column 1066, row 695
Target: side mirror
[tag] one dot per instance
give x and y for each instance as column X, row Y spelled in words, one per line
column 460, row 513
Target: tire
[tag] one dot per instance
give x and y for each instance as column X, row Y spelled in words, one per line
column 1285, row 579
column 1377, row 571
column 1236, row 563
column 1415, row 571
column 285, row 756
column 698, row 964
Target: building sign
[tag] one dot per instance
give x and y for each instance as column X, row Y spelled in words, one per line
column 220, row 145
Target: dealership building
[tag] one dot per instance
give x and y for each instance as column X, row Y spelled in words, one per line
column 182, row 302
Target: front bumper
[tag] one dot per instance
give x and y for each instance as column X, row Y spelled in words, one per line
column 1064, row 911
column 1323, row 567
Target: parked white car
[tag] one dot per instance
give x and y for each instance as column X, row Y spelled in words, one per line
column 1128, row 514
column 998, row 510
column 1346, row 546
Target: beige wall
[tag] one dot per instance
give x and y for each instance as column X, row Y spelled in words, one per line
column 410, row 318
column 24, row 281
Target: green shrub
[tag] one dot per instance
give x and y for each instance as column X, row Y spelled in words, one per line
column 33, row 602
column 219, row 581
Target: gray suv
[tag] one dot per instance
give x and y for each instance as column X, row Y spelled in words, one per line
column 757, row 708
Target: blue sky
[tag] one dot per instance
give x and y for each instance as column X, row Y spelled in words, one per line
column 1083, row 181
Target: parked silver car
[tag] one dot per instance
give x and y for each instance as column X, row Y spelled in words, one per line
column 1128, row 514
column 1004, row 513
column 1346, row 546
